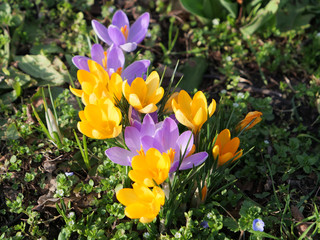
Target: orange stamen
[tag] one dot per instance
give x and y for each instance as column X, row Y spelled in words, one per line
column 104, row 61
column 119, row 70
column 171, row 152
column 141, row 152
column 125, row 31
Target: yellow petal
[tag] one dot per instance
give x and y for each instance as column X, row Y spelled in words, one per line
column 77, row 92
column 224, row 158
column 148, row 109
column 136, row 210
column 127, row 196
column 152, row 83
column 183, row 119
column 215, row 151
column 231, row 146
column 212, row 107
column 223, row 138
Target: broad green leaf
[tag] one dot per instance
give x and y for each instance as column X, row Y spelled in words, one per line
column 263, row 16
column 8, row 97
column 231, row 7
column 40, row 67
column 193, row 72
column 12, row 132
column 195, row 7
column 10, row 76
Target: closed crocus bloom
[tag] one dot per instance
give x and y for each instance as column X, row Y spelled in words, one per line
column 150, row 167
column 192, row 113
column 144, row 95
column 226, row 148
column 96, row 85
column 252, row 117
column 101, row 120
column 141, row 202
column 168, row 106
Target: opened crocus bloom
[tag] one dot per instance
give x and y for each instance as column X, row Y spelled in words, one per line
column 144, row 95
column 112, row 61
column 150, row 167
column 101, row 120
column 163, row 136
column 97, row 86
column 251, row 119
column 141, row 202
column 226, row 148
column 120, row 33
column 192, row 113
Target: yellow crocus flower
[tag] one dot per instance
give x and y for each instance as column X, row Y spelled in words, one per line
column 150, row 167
column 97, row 85
column 144, row 95
column 226, row 148
column 192, row 113
column 101, row 120
column 252, row 117
column 141, row 202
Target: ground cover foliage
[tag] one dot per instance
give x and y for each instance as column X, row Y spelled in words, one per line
column 275, row 71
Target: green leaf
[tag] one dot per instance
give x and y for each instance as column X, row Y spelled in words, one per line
column 231, row 7
column 12, row 132
column 231, row 224
column 263, row 16
column 193, row 72
column 40, row 67
column 195, row 7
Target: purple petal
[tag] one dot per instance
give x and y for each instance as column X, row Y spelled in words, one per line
column 120, row 156
column 154, row 116
column 132, row 138
column 115, row 58
column 194, row 160
column 116, row 35
column 120, row 19
column 129, row 47
column 168, row 134
column 81, row 62
column 101, row 31
column 148, row 126
column 151, row 142
column 136, row 69
column 139, row 29
column 173, row 116
column 134, row 116
column 185, row 140
column 97, row 53
column 174, row 166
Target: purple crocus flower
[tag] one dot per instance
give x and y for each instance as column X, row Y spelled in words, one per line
column 120, row 33
column 112, row 61
column 163, row 136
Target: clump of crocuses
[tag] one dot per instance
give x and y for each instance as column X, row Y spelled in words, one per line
column 127, row 104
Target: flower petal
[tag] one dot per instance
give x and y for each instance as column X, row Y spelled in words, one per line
column 120, row 19
column 97, row 53
column 115, row 58
column 132, row 138
column 101, row 31
column 81, row 62
column 139, row 29
column 168, row 133
column 120, row 156
column 194, row 160
column 129, row 47
column 134, row 70
column 116, row 35
column 148, row 126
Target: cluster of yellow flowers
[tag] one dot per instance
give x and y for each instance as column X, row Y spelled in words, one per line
column 148, row 170
column 101, row 119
